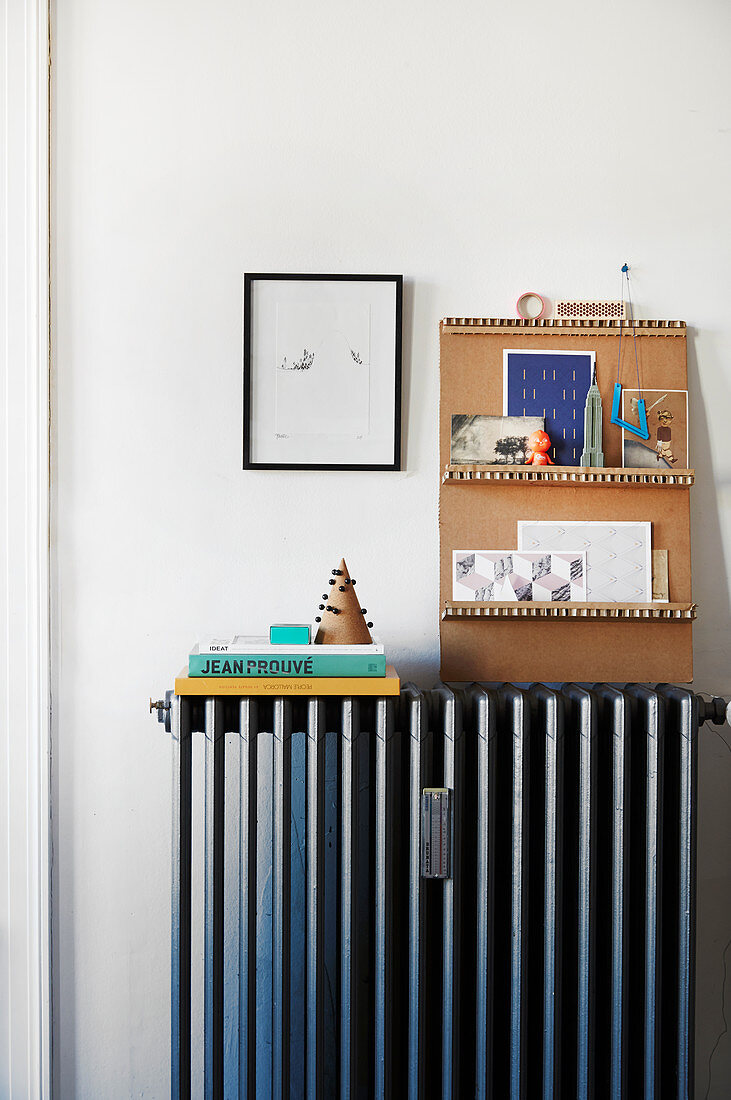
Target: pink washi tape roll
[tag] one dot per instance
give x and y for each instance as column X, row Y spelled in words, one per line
column 524, row 301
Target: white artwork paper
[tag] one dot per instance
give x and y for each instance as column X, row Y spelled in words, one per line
column 507, row 576
column 618, row 555
column 322, row 365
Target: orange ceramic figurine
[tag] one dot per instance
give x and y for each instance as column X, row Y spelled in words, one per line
column 536, row 451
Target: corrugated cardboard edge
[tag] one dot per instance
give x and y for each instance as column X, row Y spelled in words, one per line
column 577, row 326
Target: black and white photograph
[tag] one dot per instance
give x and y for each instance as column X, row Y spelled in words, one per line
column 322, row 371
column 492, row 440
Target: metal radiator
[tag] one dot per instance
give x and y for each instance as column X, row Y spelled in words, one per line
column 310, row 958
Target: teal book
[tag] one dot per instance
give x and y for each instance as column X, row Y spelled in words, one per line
column 287, row 664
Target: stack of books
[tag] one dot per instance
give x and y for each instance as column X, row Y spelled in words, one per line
column 246, row 665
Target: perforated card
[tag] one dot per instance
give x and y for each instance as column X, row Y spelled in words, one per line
column 618, row 555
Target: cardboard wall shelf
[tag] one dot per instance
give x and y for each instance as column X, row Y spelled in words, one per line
column 568, row 475
column 628, row 612
column 584, row 642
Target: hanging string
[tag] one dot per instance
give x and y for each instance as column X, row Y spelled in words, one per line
column 625, row 282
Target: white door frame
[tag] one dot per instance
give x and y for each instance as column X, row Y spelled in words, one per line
column 25, row 964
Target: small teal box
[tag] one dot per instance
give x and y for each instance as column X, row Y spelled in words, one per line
column 289, row 634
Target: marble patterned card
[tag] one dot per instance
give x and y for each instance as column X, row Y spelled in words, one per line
column 506, row 576
column 618, row 554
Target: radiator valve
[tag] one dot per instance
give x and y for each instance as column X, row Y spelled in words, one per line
column 162, row 707
column 715, row 710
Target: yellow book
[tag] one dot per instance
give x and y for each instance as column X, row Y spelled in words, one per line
column 389, row 684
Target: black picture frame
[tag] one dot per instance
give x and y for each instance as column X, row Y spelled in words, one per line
column 393, row 462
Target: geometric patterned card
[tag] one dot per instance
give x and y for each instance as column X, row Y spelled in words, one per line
column 507, row 576
column 618, row 555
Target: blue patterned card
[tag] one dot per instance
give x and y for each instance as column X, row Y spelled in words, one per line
column 554, row 385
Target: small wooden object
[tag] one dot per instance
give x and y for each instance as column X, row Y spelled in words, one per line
column 589, row 308
column 342, row 619
column 660, row 587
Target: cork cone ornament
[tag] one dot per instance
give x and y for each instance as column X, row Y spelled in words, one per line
column 341, row 618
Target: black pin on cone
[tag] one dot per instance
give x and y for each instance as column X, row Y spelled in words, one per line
column 344, row 624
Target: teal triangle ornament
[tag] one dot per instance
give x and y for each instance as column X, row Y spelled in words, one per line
column 615, row 418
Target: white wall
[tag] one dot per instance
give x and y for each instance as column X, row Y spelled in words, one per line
column 480, row 149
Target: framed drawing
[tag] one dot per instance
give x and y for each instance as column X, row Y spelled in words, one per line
column 322, row 372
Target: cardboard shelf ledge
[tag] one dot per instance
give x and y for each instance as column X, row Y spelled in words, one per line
column 631, row 612
column 464, row 326
column 567, row 475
